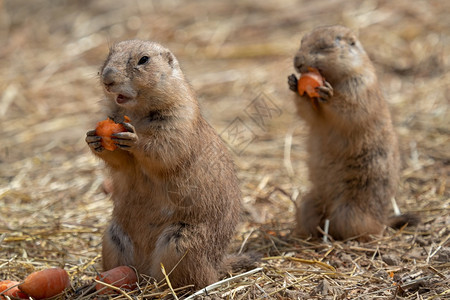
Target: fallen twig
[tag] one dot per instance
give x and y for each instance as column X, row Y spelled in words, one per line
column 215, row 285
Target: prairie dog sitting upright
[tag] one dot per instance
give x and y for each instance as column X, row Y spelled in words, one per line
column 353, row 152
column 176, row 196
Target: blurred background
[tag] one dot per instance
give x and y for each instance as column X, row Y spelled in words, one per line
column 237, row 56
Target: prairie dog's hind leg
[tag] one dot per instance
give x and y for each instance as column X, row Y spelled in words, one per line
column 117, row 248
column 308, row 216
column 348, row 221
column 178, row 250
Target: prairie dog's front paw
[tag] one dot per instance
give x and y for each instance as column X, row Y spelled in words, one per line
column 126, row 140
column 325, row 91
column 94, row 141
column 292, row 81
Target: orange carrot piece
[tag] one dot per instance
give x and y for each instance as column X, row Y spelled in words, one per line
column 108, row 127
column 13, row 292
column 308, row 83
column 46, row 283
column 123, row 277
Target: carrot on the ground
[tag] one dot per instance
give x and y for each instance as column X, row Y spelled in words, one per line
column 9, row 288
column 123, row 277
column 46, row 283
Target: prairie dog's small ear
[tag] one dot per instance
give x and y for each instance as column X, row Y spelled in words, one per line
column 170, row 58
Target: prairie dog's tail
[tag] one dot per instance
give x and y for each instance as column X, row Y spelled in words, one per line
column 399, row 221
column 239, row 262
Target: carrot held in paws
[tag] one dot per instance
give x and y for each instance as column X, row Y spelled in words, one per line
column 309, row 81
column 108, row 127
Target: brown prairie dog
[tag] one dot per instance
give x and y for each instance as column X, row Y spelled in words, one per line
column 176, row 196
column 353, row 152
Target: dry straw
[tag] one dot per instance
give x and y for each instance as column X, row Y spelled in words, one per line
column 52, row 208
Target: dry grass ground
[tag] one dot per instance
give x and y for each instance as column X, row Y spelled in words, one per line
column 236, row 54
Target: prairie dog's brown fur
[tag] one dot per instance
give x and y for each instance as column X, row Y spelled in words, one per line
column 353, row 152
column 175, row 193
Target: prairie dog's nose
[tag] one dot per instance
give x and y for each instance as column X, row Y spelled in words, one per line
column 109, row 75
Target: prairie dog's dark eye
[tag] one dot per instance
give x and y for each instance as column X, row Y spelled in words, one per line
column 352, row 42
column 324, row 47
column 143, row 60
